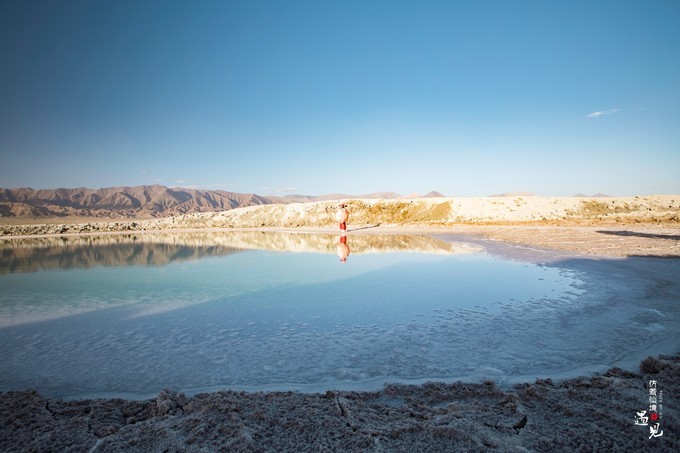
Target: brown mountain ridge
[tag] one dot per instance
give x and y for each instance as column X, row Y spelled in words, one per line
column 142, row 201
column 138, row 201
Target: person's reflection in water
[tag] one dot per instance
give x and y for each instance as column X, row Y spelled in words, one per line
column 343, row 248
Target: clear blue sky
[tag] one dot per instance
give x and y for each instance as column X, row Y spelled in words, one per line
column 469, row 98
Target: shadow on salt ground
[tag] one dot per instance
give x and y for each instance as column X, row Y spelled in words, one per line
column 633, row 302
column 364, row 228
column 672, row 237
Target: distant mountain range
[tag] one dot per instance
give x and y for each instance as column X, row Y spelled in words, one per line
column 597, row 195
column 139, row 201
column 144, row 201
column 529, row 194
column 514, row 194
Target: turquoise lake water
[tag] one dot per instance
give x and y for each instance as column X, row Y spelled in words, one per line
column 127, row 317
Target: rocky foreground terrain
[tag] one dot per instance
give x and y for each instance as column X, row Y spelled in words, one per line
column 581, row 414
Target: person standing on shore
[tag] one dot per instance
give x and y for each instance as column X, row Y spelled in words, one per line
column 342, row 215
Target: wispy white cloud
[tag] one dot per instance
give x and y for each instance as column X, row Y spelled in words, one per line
column 280, row 189
column 220, row 186
column 187, row 184
column 604, row 112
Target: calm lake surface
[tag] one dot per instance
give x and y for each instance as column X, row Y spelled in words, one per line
column 129, row 315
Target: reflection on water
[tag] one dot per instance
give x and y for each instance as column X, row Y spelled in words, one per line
column 343, row 248
column 34, row 254
column 197, row 315
column 29, row 255
column 103, row 271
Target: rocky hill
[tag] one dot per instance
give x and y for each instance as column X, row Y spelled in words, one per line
column 334, row 196
column 144, row 201
column 139, row 201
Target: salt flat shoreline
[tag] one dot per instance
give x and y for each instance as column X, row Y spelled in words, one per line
column 595, row 413
column 604, row 226
column 604, row 239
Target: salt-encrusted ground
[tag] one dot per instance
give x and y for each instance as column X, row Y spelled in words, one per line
column 584, row 414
